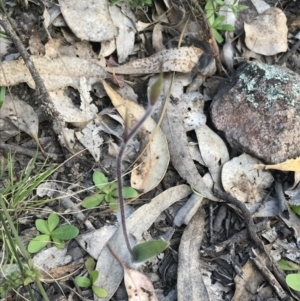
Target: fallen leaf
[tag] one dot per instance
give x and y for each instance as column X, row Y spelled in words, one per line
column 21, row 115
column 213, row 151
column 156, row 158
column 138, row 286
column 89, row 20
column 183, row 60
column 126, row 33
column 288, row 165
column 53, row 72
column 267, row 34
column 242, row 182
column 190, row 285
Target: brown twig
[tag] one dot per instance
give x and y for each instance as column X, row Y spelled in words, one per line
column 289, row 53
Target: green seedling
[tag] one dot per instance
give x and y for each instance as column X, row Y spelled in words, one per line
column 133, row 3
column 292, row 280
column 216, row 20
column 2, row 95
column 89, row 281
column 17, row 278
column 106, row 192
column 50, row 232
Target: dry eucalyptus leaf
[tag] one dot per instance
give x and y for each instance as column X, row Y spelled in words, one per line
column 90, row 138
column 155, row 159
column 157, row 38
column 20, row 114
column 138, row 286
column 260, row 5
column 126, row 32
column 243, row 182
column 89, row 20
column 111, row 272
column 56, row 73
column 7, row 130
column 288, row 165
column 183, row 60
column 172, row 126
column 191, row 107
column 213, row 151
column 267, row 34
column 190, row 285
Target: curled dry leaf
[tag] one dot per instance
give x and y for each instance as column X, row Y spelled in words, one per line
column 156, row 158
column 53, row 72
column 267, row 35
column 288, row 165
column 213, row 151
column 190, row 285
column 243, row 182
column 138, row 286
column 21, row 115
column 182, row 60
column 89, row 20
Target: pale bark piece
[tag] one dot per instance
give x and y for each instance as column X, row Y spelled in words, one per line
column 21, row 115
column 126, row 32
column 182, row 60
column 111, row 272
column 190, row 285
column 56, row 73
column 155, row 160
column 260, row 5
column 89, row 20
column 243, row 182
column 138, row 286
column 267, row 35
column 181, row 159
column 213, row 151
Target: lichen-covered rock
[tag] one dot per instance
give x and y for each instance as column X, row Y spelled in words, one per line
column 258, row 111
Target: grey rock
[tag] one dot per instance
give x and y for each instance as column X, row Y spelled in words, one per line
column 258, row 111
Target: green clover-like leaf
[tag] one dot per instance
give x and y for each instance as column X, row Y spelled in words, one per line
column 65, row 232
column 90, row 264
column 99, row 179
column 38, row 243
column 93, row 201
column 83, row 281
column 42, row 226
column 293, row 281
column 53, row 221
column 99, row 291
column 94, row 276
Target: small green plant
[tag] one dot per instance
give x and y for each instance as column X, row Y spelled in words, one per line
column 50, row 231
column 134, row 3
column 17, row 278
column 107, row 192
column 216, row 20
column 89, row 281
column 292, row 280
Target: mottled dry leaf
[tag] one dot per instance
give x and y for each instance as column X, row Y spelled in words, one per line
column 213, row 151
column 288, row 165
column 181, row 159
column 190, row 285
column 53, row 72
column 156, row 158
column 243, row 182
column 138, row 286
column 20, row 114
column 267, row 34
column 126, row 32
column 182, row 60
column 89, row 20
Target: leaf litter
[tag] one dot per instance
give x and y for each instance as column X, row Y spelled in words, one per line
column 184, row 115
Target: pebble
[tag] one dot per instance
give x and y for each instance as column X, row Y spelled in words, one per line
column 258, row 112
